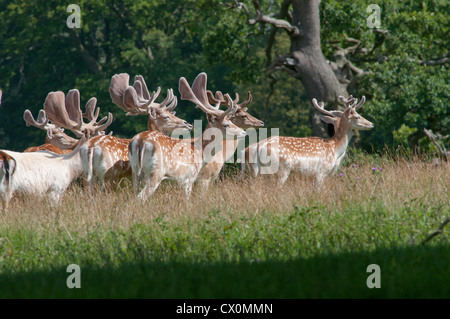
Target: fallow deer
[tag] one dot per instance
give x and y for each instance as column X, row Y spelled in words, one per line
column 241, row 118
column 56, row 140
column 105, row 158
column 44, row 173
column 155, row 156
column 311, row 156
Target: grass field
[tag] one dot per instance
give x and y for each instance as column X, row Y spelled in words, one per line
column 247, row 239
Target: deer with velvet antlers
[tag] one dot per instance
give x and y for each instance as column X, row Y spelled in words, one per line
column 241, row 118
column 310, row 156
column 45, row 173
column 54, row 119
column 155, row 156
column 105, row 158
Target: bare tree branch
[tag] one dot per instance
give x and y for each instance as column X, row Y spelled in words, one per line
column 261, row 18
column 442, row 150
column 438, row 61
column 285, row 63
column 284, row 12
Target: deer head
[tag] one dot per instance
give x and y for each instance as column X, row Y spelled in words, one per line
column 60, row 113
column 65, row 111
column 349, row 118
column 55, row 135
column 241, row 117
column 216, row 118
column 137, row 100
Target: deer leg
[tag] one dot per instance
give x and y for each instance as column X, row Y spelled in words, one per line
column 188, row 188
column 282, row 175
column 319, row 178
column 5, row 201
column 204, row 184
column 136, row 182
column 151, row 184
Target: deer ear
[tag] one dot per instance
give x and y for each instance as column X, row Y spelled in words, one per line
column 328, row 119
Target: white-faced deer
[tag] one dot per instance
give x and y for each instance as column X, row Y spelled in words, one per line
column 241, row 118
column 311, row 156
column 44, row 173
column 105, row 158
column 155, row 156
column 56, row 140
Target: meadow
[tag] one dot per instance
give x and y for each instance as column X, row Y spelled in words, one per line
column 240, row 239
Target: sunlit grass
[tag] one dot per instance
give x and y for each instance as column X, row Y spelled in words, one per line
column 379, row 208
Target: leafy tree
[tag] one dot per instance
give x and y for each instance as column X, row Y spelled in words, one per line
column 284, row 52
column 402, row 67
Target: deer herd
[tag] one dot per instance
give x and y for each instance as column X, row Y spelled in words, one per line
column 154, row 155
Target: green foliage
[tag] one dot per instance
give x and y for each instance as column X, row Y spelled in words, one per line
column 401, row 90
column 401, row 135
column 164, row 40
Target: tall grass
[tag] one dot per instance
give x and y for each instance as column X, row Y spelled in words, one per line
column 377, row 208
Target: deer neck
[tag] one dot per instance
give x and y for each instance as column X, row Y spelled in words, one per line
column 206, row 143
column 342, row 137
column 228, row 148
column 73, row 162
column 69, row 142
column 152, row 126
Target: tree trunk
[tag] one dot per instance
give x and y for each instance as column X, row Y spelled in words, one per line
column 322, row 79
column 313, row 69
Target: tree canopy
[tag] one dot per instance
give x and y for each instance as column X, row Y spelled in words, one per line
column 401, row 67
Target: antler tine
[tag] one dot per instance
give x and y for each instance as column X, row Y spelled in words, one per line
column 119, row 83
column 55, row 108
column 73, row 107
column 248, row 101
column 232, row 106
column 172, row 105
column 361, row 103
column 154, row 96
column 236, row 99
column 347, row 101
column 90, row 107
column 172, row 99
column 145, row 92
column 101, row 128
column 41, row 122
column 137, row 85
column 133, row 105
column 321, row 108
column 217, row 100
column 188, row 94
column 167, row 100
column 199, row 90
column 219, row 97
